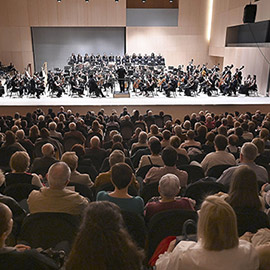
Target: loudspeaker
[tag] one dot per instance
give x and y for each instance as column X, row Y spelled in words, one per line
column 250, row 12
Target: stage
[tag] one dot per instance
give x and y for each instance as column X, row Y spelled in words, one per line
column 178, row 105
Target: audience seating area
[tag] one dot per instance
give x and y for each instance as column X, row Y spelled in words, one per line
column 95, row 136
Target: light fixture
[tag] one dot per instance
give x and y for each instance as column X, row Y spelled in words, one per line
column 210, row 17
column 58, row 1
column 116, row 1
column 87, row 1
column 143, row 1
column 171, row 1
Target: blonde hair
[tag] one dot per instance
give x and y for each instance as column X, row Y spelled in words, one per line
column 217, row 227
column 19, row 161
column 71, row 159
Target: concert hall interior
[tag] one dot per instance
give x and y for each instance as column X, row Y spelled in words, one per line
column 190, row 35
column 135, row 134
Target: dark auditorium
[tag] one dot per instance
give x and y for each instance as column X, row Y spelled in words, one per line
column 134, row 134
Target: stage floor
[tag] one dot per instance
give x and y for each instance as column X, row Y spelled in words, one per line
column 134, row 100
column 177, row 106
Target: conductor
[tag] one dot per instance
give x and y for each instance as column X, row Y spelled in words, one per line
column 121, row 72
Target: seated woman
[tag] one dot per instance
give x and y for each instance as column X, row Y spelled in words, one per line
column 218, row 246
column 155, row 157
column 169, row 188
column 244, row 199
column 190, row 143
column 121, row 176
column 102, row 241
column 20, row 256
column 19, row 164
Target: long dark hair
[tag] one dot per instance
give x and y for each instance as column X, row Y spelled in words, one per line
column 244, row 189
column 102, row 242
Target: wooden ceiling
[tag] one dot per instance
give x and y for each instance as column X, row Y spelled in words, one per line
column 152, row 4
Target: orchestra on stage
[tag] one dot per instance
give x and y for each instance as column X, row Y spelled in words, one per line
column 100, row 76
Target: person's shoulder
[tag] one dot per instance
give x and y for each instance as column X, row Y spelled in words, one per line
column 102, row 195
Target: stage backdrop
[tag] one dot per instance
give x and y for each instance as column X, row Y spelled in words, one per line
column 55, row 44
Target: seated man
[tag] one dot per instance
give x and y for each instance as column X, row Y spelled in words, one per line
column 117, row 156
column 20, row 256
column 248, row 154
column 121, row 179
column 74, row 133
column 169, row 188
column 42, row 164
column 220, row 157
column 57, row 198
column 71, row 159
column 169, row 157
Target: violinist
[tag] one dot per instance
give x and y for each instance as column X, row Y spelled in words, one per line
column 2, row 89
column 93, row 87
column 75, row 87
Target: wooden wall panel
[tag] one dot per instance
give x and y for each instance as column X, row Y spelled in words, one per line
column 178, row 44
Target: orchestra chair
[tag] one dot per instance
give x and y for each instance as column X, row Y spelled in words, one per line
column 46, row 230
column 135, row 225
column 216, row 171
column 199, row 190
column 167, row 223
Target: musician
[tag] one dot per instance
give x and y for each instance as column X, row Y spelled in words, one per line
column 72, row 59
column 34, row 89
column 171, row 86
column 79, row 59
column 86, row 58
column 57, row 86
column 2, row 89
column 75, row 87
column 121, row 72
column 93, row 87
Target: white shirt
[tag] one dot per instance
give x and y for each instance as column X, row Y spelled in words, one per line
column 191, row 256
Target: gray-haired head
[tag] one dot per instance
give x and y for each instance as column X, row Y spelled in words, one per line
column 249, row 151
column 58, row 175
column 169, row 185
column 117, row 156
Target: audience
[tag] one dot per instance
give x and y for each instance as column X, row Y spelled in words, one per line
column 169, row 188
column 248, row 154
column 42, row 164
column 103, row 242
column 218, row 246
column 205, row 139
column 56, row 197
column 20, row 256
column 71, row 159
column 19, row 164
column 169, row 157
column 121, row 179
column 220, row 157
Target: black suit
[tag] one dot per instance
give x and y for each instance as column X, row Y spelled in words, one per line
column 93, row 87
column 121, row 72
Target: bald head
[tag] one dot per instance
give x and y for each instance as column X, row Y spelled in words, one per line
column 47, row 150
column 72, row 126
column 58, row 175
column 95, row 142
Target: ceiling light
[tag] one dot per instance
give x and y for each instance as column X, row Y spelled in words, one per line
column 143, row 1
column 58, row 1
